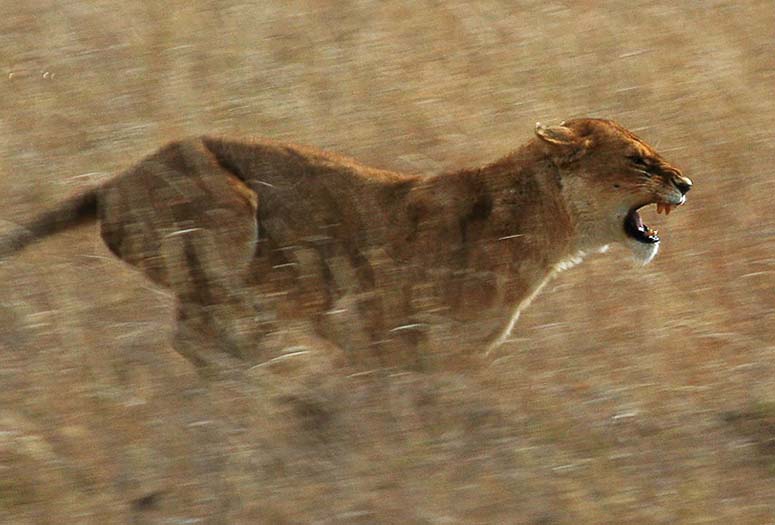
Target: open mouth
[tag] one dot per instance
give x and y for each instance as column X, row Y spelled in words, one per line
column 635, row 228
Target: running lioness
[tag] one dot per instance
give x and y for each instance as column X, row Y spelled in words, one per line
column 258, row 238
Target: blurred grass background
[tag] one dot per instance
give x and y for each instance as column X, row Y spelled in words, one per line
column 626, row 395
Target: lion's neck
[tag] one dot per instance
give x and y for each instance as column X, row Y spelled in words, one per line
column 491, row 236
column 513, row 208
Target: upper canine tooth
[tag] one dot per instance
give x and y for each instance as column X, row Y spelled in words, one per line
column 668, row 209
column 660, row 207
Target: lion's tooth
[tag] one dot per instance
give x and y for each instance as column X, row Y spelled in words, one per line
column 668, row 209
column 660, row 207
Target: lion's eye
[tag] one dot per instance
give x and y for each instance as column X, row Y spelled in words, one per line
column 640, row 162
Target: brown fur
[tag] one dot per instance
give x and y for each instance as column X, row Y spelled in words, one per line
column 261, row 240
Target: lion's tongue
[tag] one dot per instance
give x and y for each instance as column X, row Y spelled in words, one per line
column 638, row 221
column 642, row 227
column 640, row 231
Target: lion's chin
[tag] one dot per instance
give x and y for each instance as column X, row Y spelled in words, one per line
column 642, row 253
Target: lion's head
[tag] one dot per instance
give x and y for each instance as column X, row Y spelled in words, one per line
column 608, row 174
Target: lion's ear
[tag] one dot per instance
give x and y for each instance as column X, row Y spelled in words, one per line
column 573, row 146
column 559, row 135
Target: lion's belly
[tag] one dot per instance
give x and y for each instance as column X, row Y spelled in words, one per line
column 371, row 305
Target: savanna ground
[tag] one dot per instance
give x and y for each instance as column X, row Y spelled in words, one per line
column 626, row 395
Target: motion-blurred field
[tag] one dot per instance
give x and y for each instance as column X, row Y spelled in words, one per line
column 627, row 395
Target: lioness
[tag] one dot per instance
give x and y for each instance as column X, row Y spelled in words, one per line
column 258, row 239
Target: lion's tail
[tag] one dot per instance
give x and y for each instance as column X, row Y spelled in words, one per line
column 69, row 213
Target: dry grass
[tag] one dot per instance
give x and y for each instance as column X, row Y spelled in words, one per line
column 626, row 395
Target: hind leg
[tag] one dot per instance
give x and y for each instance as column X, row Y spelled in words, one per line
column 191, row 227
column 218, row 308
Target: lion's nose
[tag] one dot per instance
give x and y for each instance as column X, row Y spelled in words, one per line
column 684, row 184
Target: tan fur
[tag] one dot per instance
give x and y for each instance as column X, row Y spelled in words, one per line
column 260, row 240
